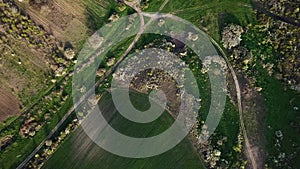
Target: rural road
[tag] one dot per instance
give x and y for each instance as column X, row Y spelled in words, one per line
column 133, row 5
column 249, row 151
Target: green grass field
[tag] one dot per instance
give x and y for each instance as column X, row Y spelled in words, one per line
column 280, row 115
column 280, row 102
column 78, row 151
column 229, row 125
column 211, row 15
column 214, row 15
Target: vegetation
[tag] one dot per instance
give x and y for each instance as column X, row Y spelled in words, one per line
column 264, row 50
column 22, row 27
column 281, row 101
column 33, row 126
column 289, row 9
column 267, row 58
column 210, row 16
column 227, row 135
column 69, row 157
column 52, row 144
column 223, row 130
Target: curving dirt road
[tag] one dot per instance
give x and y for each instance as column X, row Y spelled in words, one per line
column 249, row 151
column 133, row 5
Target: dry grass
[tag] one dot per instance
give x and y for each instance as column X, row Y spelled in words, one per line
column 66, row 20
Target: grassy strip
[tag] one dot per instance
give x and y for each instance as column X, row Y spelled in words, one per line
column 7, row 122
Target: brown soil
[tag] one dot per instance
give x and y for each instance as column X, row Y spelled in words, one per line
column 9, row 105
column 254, row 114
column 164, row 83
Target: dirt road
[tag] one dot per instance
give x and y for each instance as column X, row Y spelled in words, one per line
column 133, row 5
column 249, row 150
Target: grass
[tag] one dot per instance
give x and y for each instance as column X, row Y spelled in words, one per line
column 280, row 114
column 96, row 14
column 279, row 99
column 229, row 125
column 7, row 122
column 31, row 77
column 22, row 147
column 74, row 153
column 13, row 124
column 207, row 11
column 212, row 15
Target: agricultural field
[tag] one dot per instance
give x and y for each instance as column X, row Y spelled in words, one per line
column 79, row 151
column 66, row 20
column 225, row 135
column 40, row 41
column 30, row 61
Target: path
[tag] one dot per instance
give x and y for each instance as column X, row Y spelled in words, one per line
column 258, row 6
column 133, row 5
column 249, row 151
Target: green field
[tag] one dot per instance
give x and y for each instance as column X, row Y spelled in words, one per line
column 78, row 151
column 228, row 126
column 210, row 15
column 281, row 103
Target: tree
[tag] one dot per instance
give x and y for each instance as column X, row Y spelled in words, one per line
column 231, row 36
column 69, row 53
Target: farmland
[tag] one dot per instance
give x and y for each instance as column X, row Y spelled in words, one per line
column 40, row 40
column 79, row 151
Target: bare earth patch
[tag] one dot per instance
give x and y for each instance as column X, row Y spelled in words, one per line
column 9, row 105
column 254, row 111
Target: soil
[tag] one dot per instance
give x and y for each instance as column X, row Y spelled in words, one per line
column 254, row 111
column 9, row 105
column 163, row 82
